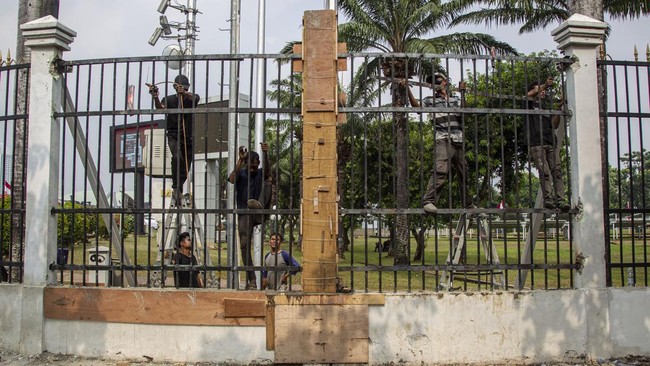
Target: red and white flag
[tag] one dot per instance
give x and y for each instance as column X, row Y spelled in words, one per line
column 501, row 205
column 7, row 187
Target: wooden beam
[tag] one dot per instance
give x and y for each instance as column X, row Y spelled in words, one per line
column 319, row 206
column 148, row 306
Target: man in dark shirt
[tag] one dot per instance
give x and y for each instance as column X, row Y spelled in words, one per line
column 541, row 140
column 249, row 193
column 179, row 130
column 186, row 277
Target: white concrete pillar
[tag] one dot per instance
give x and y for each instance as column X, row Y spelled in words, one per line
column 47, row 39
column 579, row 37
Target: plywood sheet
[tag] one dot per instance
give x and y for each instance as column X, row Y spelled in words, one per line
column 148, row 306
column 321, row 334
column 242, row 308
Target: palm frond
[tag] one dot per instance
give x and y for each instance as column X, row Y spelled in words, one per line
column 466, row 43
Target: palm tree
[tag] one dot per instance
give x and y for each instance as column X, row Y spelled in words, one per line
column 538, row 14
column 399, row 26
column 28, row 10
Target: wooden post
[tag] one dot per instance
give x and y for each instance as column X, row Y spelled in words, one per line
column 319, row 206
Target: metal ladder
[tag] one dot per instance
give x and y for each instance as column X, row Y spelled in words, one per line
column 176, row 223
column 458, row 244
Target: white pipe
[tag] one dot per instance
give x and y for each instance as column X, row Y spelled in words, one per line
column 233, row 281
column 260, row 86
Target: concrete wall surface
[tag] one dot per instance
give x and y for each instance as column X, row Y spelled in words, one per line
column 162, row 342
column 10, row 299
column 491, row 327
column 538, row 326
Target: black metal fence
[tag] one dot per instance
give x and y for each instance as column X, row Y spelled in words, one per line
column 13, row 122
column 627, row 110
column 493, row 233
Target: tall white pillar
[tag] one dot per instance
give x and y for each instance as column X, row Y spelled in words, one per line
column 579, row 37
column 47, row 39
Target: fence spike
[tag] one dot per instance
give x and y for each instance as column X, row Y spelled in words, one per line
column 636, row 54
column 647, row 52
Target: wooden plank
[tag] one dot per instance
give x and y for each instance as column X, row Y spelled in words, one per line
column 243, row 308
column 147, row 306
column 270, row 326
column 331, row 299
column 321, row 334
column 296, row 64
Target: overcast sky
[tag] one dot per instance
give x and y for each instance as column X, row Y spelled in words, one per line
column 121, row 28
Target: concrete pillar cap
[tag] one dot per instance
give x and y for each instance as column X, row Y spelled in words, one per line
column 579, row 30
column 47, row 32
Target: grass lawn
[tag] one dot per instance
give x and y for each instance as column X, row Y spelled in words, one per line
column 142, row 251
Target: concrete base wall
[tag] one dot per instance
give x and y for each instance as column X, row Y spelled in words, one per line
column 10, row 315
column 410, row 328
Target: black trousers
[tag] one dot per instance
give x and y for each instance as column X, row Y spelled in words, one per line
column 182, row 155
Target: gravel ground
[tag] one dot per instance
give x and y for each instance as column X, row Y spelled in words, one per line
column 46, row 358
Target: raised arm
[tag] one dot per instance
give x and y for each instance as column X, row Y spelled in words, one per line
column 462, row 88
column 267, row 162
column 243, row 154
column 532, row 93
column 153, row 90
column 556, row 118
column 412, row 100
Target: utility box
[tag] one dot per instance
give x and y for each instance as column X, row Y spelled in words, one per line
column 99, row 256
column 156, row 156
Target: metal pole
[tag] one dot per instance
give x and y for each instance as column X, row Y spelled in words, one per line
column 259, row 117
column 329, row 4
column 233, row 281
column 190, row 35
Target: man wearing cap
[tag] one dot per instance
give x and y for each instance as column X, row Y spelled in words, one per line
column 179, row 130
column 449, row 150
column 542, row 142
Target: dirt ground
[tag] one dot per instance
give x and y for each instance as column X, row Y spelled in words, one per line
column 46, row 358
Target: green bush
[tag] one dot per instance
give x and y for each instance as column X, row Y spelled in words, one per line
column 6, row 224
column 129, row 225
column 75, row 227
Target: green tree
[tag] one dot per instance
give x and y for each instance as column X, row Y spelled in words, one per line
column 629, row 182
column 398, row 26
column 284, row 136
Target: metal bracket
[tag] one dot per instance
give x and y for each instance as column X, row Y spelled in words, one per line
column 59, row 66
column 580, row 262
column 580, row 210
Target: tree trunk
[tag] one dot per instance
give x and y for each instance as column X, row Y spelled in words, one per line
column 402, row 249
column 28, row 10
column 343, row 151
column 590, row 8
column 418, row 233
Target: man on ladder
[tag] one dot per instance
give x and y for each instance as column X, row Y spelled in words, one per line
column 179, row 130
column 179, row 137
